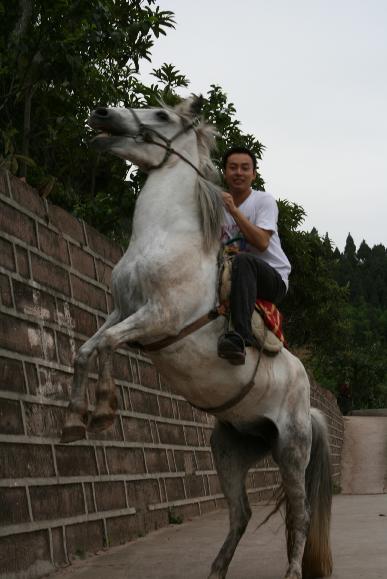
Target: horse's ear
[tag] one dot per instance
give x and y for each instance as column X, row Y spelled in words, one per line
column 197, row 105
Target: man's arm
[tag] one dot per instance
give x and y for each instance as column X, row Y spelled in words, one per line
column 256, row 236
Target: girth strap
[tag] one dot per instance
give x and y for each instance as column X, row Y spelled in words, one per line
column 196, row 325
column 238, row 397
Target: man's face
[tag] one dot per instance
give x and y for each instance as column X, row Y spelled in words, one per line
column 239, row 172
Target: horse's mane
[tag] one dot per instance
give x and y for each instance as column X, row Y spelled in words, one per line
column 207, row 187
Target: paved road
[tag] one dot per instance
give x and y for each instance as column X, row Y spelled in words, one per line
column 359, row 541
column 364, row 460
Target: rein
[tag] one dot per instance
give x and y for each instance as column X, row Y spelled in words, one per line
column 146, row 133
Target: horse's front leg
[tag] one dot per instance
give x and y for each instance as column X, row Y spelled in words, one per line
column 76, row 421
column 145, row 323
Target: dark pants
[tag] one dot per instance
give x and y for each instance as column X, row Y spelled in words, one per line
column 252, row 278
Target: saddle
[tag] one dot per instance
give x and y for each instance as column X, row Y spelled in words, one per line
column 266, row 321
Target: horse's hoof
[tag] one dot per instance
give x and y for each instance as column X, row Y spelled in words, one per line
column 101, row 422
column 73, row 433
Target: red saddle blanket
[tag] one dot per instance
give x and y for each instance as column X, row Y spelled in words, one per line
column 272, row 318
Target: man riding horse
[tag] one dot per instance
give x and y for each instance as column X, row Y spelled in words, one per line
column 260, row 267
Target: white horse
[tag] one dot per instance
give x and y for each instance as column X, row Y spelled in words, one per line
column 167, row 280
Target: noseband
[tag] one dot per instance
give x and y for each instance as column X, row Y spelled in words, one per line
column 147, row 134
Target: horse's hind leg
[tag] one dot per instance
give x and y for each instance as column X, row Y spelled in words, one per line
column 234, row 454
column 76, row 421
column 291, row 453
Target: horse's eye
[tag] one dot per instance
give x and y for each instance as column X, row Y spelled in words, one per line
column 162, row 116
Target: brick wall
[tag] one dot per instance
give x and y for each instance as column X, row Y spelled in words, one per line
column 152, row 467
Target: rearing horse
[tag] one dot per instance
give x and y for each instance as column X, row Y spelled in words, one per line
column 167, row 280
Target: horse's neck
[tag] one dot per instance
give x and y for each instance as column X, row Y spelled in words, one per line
column 168, row 200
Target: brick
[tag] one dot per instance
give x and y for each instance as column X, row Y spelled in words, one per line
column 66, row 349
column 17, row 224
column 104, row 273
column 110, row 496
column 136, row 430
column 187, row 512
column 89, row 294
column 75, row 460
column 156, row 460
column 185, row 461
column 42, row 420
column 84, row 538
column 66, row 223
column 53, row 244
column 84, row 322
column 13, row 506
column 33, row 302
column 7, row 259
column 32, row 378
column 191, row 435
column 171, row 433
column 166, row 409
column 4, row 188
column 24, row 554
column 54, row 384
column 82, row 261
column 114, row 432
column 185, row 410
column 135, row 371
column 25, row 460
column 148, row 374
column 204, row 460
column 125, row 460
column 59, row 553
column 64, row 314
column 49, row 274
column 144, row 402
column 143, row 493
column 194, row 486
column 89, row 497
column 121, row 367
column 5, row 291
column 28, row 197
column 214, row 485
column 56, row 501
column 11, row 421
column 123, row 529
column 102, row 245
column 23, row 266
column 101, row 460
column 11, row 375
column 171, row 460
column 20, row 336
column 207, row 507
column 175, row 489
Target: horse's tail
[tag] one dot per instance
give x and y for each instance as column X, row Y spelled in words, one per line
column 317, row 560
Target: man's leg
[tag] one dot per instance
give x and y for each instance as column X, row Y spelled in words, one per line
column 252, row 278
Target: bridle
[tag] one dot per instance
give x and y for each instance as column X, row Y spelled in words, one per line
column 147, row 134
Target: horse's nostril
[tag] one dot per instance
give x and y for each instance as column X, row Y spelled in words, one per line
column 101, row 112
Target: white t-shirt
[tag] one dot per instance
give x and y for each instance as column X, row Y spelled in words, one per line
column 261, row 209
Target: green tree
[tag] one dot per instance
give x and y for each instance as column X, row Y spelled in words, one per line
column 57, row 58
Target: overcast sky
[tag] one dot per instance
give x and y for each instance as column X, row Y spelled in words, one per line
column 309, row 80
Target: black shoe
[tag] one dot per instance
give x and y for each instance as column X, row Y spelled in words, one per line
column 231, row 346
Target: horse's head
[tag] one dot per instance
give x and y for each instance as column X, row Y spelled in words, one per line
column 143, row 136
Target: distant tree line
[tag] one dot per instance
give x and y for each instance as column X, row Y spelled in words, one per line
column 60, row 59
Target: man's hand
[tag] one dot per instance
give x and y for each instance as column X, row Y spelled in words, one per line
column 228, row 201
column 256, row 236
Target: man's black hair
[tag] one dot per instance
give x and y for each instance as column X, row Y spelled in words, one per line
column 239, row 150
